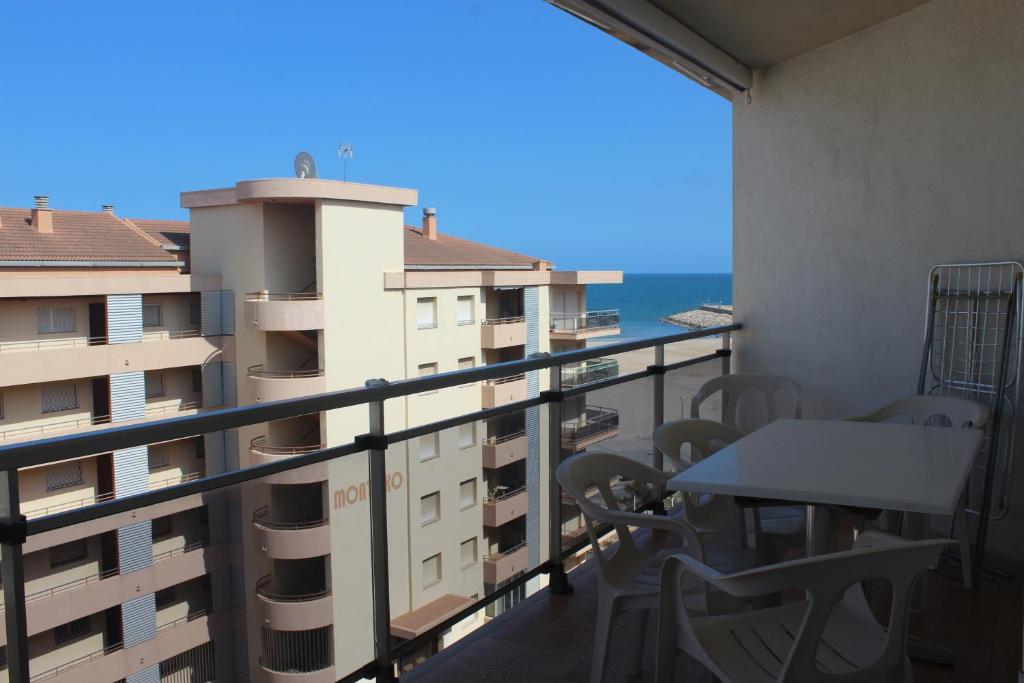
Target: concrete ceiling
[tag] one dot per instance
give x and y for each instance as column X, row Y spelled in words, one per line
column 759, row 33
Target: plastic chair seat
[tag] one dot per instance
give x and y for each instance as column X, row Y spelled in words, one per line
column 752, row 646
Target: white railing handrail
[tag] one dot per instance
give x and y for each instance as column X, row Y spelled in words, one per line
column 257, row 371
column 283, row 296
column 504, row 495
column 504, row 321
column 505, row 380
column 502, row 554
column 495, row 440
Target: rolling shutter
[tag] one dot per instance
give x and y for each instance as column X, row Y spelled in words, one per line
column 124, row 318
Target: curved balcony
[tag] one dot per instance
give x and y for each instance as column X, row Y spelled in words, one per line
column 262, row 454
column 276, row 385
column 292, row 540
column 284, row 311
column 297, row 656
column 294, row 611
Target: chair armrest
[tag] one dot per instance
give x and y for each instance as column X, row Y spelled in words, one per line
column 695, row 566
column 673, row 525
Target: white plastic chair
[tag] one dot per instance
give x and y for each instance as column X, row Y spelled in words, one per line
column 707, row 513
column 628, row 577
column 832, row 635
column 749, row 402
column 952, row 411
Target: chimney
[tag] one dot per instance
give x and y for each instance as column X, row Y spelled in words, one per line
column 108, row 208
column 430, row 224
column 42, row 216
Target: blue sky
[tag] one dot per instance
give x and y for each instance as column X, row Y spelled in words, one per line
column 522, row 125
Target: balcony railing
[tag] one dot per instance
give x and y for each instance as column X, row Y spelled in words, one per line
column 582, row 322
column 383, row 651
column 82, row 342
column 259, row 372
column 259, row 444
column 596, row 423
column 264, row 590
column 509, row 320
column 504, row 380
column 283, row 296
column 261, row 518
column 90, row 421
column 589, row 372
column 495, row 440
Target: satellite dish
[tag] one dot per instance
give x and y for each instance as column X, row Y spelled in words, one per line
column 305, row 167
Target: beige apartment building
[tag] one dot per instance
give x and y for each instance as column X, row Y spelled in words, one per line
column 274, row 289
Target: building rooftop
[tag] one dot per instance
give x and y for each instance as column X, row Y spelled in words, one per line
column 76, row 236
column 168, row 233
column 448, row 251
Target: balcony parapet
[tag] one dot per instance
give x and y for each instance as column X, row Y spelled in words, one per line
column 597, row 424
column 262, row 453
column 499, row 392
column 275, row 311
column 572, row 326
column 292, row 540
column 498, row 333
column 304, row 610
column 276, row 385
column 501, row 508
column 504, row 565
column 589, row 372
column 504, row 450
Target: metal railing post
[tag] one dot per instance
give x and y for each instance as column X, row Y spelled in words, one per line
column 558, row 580
column 379, row 538
column 14, row 577
column 658, row 412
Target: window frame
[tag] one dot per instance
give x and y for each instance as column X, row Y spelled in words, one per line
column 436, row 496
column 51, row 318
column 70, row 482
column 432, row 323
column 439, row 574
column 435, row 451
column 162, row 391
column 472, row 310
column 158, row 307
column 51, row 387
column 472, row 435
column 76, row 629
column 476, row 552
column 462, row 498
column 63, row 562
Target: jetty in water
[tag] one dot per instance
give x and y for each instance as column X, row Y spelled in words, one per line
column 708, row 315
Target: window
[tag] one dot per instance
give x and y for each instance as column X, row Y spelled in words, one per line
column 155, row 384
column 58, row 397
column 466, row 310
column 195, row 314
column 467, row 363
column 467, row 494
column 431, row 570
column 426, row 370
column 197, row 380
column 430, row 508
column 67, row 553
column 162, row 527
column 430, row 447
column 468, row 548
column 426, row 313
column 166, row 597
column 159, row 456
column 152, row 315
column 72, row 630
column 467, row 435
column 64, row 474
column 55, row 319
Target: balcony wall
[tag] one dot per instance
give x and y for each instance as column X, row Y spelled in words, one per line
column 293, row 542
column 504, row 452
column 60, row 364
column 294, row 614
column 503, row 566
column 272, row 386
column 503, row 393
column 499, row 512
column 261, row 454
column 498, row 336
column 278, row 312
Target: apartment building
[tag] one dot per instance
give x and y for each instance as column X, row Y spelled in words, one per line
column 275, row 289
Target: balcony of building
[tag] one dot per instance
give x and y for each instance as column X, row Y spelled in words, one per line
column 276, row 385
column 589, row 371
column 500, row 333
column 584, row 325
column 506, row 563
column 505, row 449
column 300, row 656
column 504, row 390
column 504, row 504
column 296, row 596
column 282, row 311
column 595, row 425
column 295, row 524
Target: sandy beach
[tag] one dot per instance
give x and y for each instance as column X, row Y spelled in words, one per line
column 634, row 400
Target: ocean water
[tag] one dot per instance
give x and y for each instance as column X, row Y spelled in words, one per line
column 644, row 299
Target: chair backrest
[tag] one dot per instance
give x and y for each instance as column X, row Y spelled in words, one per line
column 579, row 476
column 921, row 410
column 704, row 437
column 828, row 579
column 772, row 394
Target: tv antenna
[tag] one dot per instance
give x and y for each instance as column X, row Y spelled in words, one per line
column 305, row 167
column 344, row 154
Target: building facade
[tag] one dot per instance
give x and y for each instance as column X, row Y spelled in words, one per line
column 276, row 289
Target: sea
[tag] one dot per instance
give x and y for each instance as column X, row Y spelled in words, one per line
column 643, row 299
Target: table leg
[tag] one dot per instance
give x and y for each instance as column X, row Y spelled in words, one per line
column 817, row 530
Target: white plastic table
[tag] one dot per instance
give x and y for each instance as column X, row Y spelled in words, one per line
column 907, row 468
